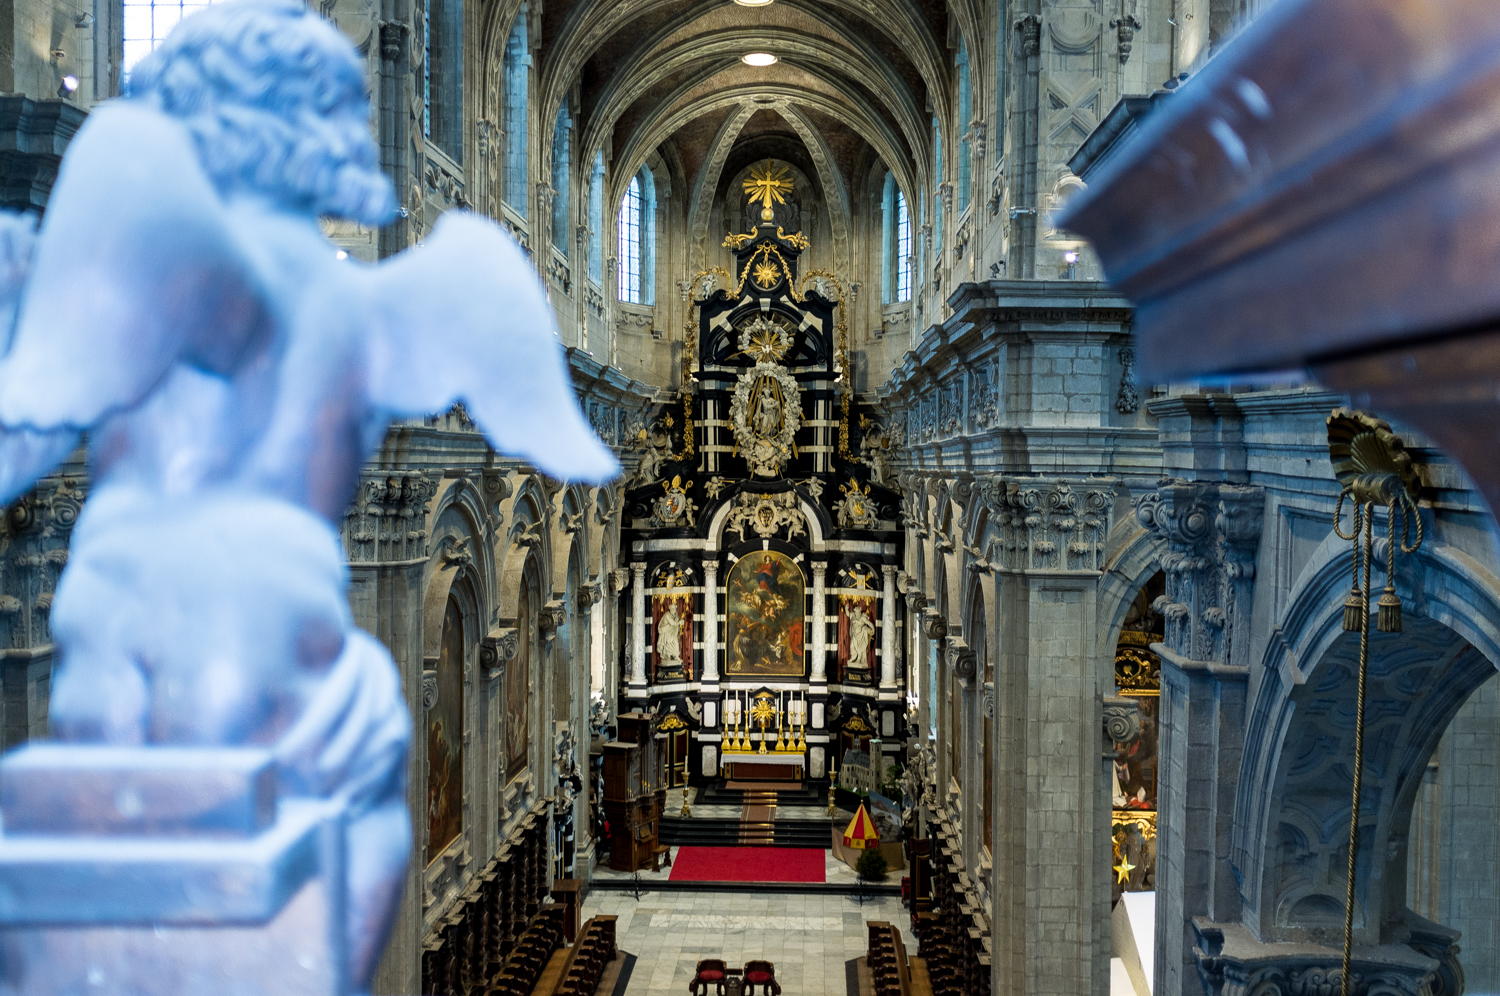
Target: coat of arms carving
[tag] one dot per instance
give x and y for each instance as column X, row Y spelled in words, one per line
column 674, row 507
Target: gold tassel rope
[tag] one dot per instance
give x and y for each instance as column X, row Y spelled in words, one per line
column 1388, row 620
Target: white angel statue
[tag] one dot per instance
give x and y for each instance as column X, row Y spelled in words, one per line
column 181, row 304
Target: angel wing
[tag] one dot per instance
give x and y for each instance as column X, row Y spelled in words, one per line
column 464, row 317
column 135, row 268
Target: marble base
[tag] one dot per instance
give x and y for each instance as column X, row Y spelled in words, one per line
column 166, row 870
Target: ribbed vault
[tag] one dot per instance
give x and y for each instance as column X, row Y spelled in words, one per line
column 645, row 74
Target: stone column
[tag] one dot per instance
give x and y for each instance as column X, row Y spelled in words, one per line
column 820, row 622
column 710, row 620
column 637, row 680
column 385, row 595
column 1050, row 884
column 1212, row 529
column 888, row 632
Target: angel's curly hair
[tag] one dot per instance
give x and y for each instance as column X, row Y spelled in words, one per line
column 274, row 97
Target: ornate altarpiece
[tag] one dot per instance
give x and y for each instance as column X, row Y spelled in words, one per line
column 750, row 516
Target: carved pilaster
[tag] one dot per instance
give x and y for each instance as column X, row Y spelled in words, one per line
column 1122, row 720
column 551, row 617
column 387, row 521
column 1048, row 524
column 1030, row 30
column 1211, row 532
column 498, row 648
column 589, row 595
column 638, row 627
column 961, row 660
column 888, row 630
column 34, row 536
column 710, row 620
column 820, row 622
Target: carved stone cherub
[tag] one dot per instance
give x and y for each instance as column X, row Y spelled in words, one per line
column 234, row 372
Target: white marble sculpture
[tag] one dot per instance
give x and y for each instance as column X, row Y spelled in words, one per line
column 861, row 631
column 669, row 638
column 182, row 306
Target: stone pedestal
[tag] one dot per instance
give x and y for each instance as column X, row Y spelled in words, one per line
column 166, row 870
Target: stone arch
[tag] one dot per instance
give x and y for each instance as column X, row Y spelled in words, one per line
column 700, row 203
column 1135, row 558
column 458, row 552
column 587, row 25
column 835, row 192
column 1292, row 806
column 857, row 112
column 527, row 537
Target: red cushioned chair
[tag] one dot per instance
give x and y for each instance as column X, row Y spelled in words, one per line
column 710, row 973
column 763, row 974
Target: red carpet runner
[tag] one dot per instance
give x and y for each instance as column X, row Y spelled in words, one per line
column 748, row 864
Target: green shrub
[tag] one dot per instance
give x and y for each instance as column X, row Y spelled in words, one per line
column 871, row 866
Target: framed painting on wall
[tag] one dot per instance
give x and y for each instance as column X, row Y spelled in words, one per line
column 445, row 740
column 764, row 603
column 518, row 691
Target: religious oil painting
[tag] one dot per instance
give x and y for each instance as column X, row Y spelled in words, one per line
column 445, row 739
column 517, row 697
column 764, row 608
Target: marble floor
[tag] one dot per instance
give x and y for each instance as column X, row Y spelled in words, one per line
column 809, row 937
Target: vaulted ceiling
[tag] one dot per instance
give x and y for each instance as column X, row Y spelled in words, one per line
column 855, row 80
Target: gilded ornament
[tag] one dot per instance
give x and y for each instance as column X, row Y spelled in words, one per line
column 768, row 182
column 766, row 409
column 766, row 275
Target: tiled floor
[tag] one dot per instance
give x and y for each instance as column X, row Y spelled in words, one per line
column 809, row 937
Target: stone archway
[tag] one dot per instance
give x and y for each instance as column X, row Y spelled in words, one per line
column 1289, row 843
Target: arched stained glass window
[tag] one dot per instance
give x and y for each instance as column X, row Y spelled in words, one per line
column 517, row 81
column 596, row 219
column 895, row 244
column 561, row 151
column 635, row 231
column 965, row 115
column 628, row 230
column 903, row 249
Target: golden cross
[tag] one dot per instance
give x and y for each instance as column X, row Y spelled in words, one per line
column 768, row 181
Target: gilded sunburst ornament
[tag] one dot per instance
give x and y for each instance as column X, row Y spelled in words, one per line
column 765, row 274
column 764, row 341
column 763, row 711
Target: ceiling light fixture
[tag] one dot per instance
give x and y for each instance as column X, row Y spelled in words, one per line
column 753, row 3
column 759, row 59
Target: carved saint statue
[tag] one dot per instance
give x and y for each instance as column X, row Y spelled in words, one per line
column 656, row 449
column 861, row 631
column 767, row 418
column 234, row 372
column 876, row 450
column 669, row 638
